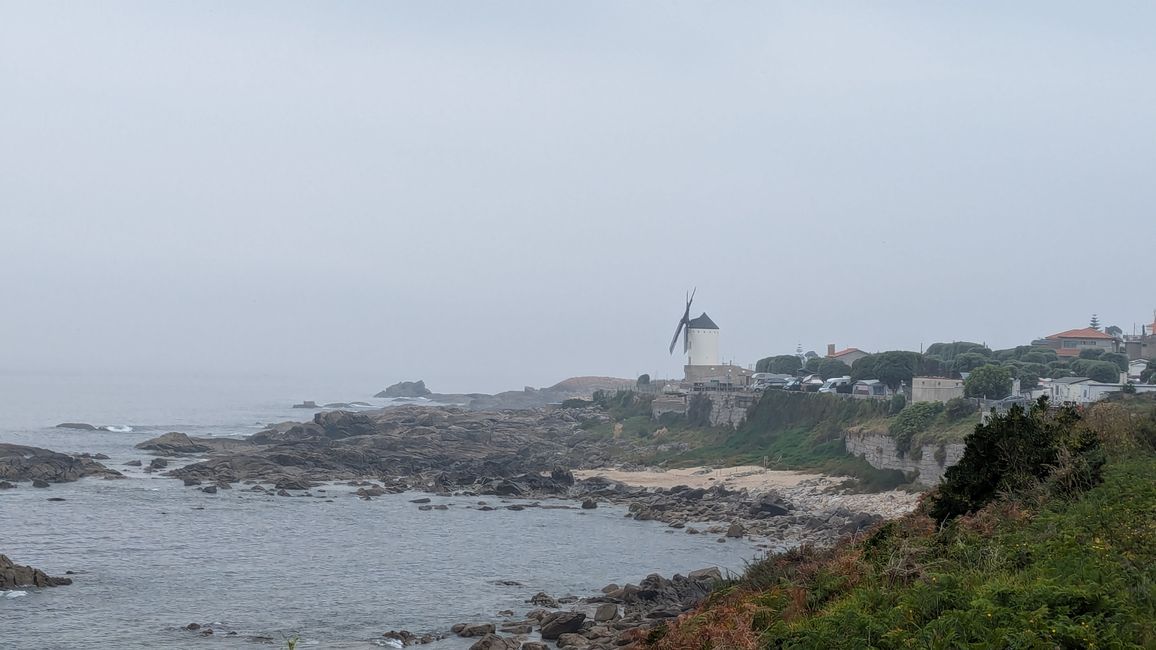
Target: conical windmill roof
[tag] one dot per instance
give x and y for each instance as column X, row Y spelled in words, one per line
column 702, row 323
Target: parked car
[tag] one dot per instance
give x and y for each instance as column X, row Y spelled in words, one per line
column 833, row 384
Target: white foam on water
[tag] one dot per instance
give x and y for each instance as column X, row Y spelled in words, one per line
column 14, row 594
column 122, row 429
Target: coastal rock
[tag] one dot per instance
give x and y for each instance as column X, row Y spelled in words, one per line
column 20, row 463
column 494, row 642
column 173, row 442
column 81, row 426
column 14, row 575
column 606, row 612
column 559, row 623
column 542, row 599
column 39, row 483
column 5, row 485
column 736, row 530
column 409, row 389
column 133, row 463
column 571, row 640
column 476, row 629
column 589, row 504
column 534, row 645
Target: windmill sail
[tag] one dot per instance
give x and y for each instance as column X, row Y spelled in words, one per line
column 683, row 326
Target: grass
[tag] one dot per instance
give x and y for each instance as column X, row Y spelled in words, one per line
column 1044, row 566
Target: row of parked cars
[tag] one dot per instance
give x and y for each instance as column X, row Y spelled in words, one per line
column 761, row 381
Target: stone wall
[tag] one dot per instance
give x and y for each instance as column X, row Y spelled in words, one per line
column 668, row 404
column 880, row 452
column 730, row 409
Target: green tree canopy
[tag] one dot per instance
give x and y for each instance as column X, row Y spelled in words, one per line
column 813, row 363
column 644, row 380
column 829, row 368
column 1029, row 379
column 1121, row 360
column 1091, row 353
column 864, row 368
column 948, row 351
column 783, row 364
column 1101, row 371
column 969, row 361
column 934, row 366
column 896, row 367
column 990, row 382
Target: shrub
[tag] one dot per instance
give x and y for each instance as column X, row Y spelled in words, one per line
column 1091, row 353
column 990, row 381
column 959, row 408
column 1013, row 451
column 913, row 420
column 898, row 402
column 698, row 411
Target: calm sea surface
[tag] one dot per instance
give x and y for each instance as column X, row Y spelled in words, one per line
column 151, row 555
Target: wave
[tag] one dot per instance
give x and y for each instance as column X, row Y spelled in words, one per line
column 14, row 594
column 120, row 429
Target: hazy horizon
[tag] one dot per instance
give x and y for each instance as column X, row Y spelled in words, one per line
column 492, row 196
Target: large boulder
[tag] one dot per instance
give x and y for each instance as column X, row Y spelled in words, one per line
column 20, row 463
column 559, row 623
column 173, row 442
column 14, row 575
column 81, row 426
column 344, row 424
column 476, row 629
column 406, row 389
column 494, row 642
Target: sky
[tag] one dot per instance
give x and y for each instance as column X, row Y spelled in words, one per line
column 492, row 195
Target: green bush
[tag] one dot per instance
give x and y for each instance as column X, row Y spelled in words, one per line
column 897, row 404
column 1012, row 451
column 959, row 408
column 913, row 420
column 698, row 411
column 1091, row 353
column 990, row 381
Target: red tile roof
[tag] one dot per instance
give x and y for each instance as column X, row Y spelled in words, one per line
column 1086, row 333
column 843, row 352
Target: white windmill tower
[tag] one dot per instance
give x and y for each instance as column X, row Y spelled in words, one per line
column 699, row 338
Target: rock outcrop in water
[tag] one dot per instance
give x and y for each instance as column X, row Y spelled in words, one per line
column 173, row 443
column 409, row 389
column 436, row 448
column 14, row 575
column 20, row 463
column 81, row 426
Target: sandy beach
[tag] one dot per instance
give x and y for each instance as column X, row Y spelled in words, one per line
column 752, row 477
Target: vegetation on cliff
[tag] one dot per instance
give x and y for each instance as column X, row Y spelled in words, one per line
column 1044, row 535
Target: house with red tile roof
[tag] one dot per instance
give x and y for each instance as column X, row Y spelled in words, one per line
column 848, row 356
column 1071, row 342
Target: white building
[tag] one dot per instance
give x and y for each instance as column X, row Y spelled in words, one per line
column 1081, row 390
column 702, row 342
column 703, row 363
column 935, row 389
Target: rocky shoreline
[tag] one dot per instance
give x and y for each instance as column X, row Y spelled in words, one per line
column 14, row 575
column 521, row 459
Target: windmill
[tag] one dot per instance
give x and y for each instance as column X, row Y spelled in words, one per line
column 684, row 325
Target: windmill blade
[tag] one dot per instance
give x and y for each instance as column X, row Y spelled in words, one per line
column 686, row 339
column 677, row 331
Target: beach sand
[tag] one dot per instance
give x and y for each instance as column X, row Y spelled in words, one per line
column 752, row 477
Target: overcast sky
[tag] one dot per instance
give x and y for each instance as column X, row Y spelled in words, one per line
column 490, row 195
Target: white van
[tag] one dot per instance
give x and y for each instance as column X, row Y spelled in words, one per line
column 832, row 385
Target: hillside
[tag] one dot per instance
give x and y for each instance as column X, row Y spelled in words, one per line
column 1044, row 536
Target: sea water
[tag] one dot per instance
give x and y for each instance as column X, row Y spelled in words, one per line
column 151, row 555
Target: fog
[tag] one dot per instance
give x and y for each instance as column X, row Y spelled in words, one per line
column 492, row 195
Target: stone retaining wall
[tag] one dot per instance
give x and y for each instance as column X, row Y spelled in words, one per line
column 880, row 452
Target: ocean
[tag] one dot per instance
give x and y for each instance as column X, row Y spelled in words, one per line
column 151, row 556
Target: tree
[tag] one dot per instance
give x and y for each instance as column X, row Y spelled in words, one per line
column 829, row 368
column 1114, row 331
column 896, row 367
column 933, row 366
column 1091, row 353
column 1121, row 360
column 864, row 368
column 782, row 364
column 989, row 382
column 1094, row 323
column 1148, row 375
column 812, row 365
column 1029, row 379
column 644, row 380
column 948, row 351
column 1101, row 371
column 969, row 361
